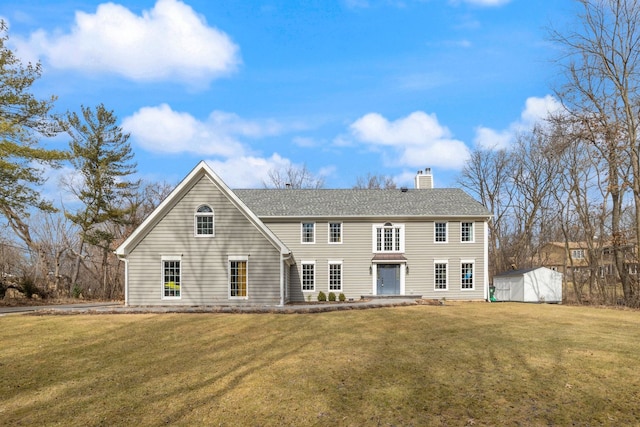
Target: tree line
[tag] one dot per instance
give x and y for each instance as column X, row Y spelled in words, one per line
column 576, row 177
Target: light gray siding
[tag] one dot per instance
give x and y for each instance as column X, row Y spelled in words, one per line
column 356, row 253
column 204, row 260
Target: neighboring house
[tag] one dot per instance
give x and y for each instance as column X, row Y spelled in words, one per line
column 572, row 258
column 538, row 284
column 206, row 244
column 562, row 257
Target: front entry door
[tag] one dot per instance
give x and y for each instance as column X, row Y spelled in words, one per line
column 388, row 279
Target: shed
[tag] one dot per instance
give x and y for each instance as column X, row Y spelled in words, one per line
column 538, row 284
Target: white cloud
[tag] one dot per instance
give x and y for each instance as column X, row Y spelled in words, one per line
column 168, row 42
column 418, row 140
column 535, row 111
column 248, row 171
column 161, row 129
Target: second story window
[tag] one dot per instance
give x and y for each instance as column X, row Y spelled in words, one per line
column 308, row 232
column 388, row 238
column 204, row 221
column 577, row 254
column 466, row 232
column 335, row 232
column 440, row 232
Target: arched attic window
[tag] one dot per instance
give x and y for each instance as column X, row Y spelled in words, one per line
column 204, row 221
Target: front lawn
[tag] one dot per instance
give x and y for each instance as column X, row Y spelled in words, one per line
column 457, row 364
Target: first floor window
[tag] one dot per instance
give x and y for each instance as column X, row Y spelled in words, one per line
column 440, row 274
column 238, row 278
column 467, row 275
column 308, row 276
column 335, row 276
column 171, row 278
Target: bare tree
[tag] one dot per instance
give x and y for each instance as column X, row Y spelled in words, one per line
column 375, row 182
column 293, row 177
column 602, row 91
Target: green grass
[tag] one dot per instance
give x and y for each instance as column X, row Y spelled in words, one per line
column 458, row 364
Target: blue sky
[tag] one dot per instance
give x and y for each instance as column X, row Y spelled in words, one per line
column 345, row 87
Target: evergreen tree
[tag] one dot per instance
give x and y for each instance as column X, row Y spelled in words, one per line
column 102, row 155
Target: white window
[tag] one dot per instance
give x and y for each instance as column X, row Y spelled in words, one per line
column 466, row 269
column 440, row 232
column 335, row 232
column 577, row 254
column 238, row 277
column 308, row 231
column 204, row 221
column 335, row 276
column 171, row 277
column 308, row 276
column 466, row 232
column 440, row 275
column 388, row 238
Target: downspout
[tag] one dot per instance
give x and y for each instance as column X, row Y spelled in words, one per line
column 282, row 260
column 126, row 280
column 486, row 260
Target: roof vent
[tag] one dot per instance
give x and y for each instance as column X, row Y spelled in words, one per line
column 404, row 189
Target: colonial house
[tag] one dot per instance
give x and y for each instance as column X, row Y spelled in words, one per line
column 206, row 244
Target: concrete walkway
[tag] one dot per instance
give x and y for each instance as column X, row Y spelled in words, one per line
column 117, row 308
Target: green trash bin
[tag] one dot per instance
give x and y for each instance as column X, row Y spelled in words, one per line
column 492, row 291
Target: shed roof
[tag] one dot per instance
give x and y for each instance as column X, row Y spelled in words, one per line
column 519, row 272
column 434, row 202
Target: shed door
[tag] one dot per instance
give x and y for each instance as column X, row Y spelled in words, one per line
column 388, row 279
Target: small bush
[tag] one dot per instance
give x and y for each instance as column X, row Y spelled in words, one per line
column 341, row 297
column 29, row 287
column 332, row 296
column 322, row 296
column 76, row 291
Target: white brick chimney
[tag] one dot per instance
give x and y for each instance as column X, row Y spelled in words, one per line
column 424, row 179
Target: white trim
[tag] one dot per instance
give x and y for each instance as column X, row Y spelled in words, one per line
column 473, row 274
column 485, row 260
column 446, row 232
column 446, row 278
column 302, row 264
column 241, row 258
column 204, row 215
column 329, row 264
column 302, row 223
column 329, row 232
column 403, row 273
column 472, row 234
column 164, row 258
column 374, row 238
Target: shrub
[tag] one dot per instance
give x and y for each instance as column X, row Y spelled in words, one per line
column 322, row 296
column 29, row 287
column 76, row 291
column 332, row 296
column 341, row 297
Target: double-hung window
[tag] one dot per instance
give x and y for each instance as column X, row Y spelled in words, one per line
column 335, row 276
column 440, row 232
column 466, row 232
column 440, row 275
column 308, row 231
column 238, row 277
column 171, row 277
column 308, row 276
column 204, row 221
column 466, row 268
column 388, row 238
column 335, row 232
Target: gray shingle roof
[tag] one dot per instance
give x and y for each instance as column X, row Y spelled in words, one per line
column 435, row 202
